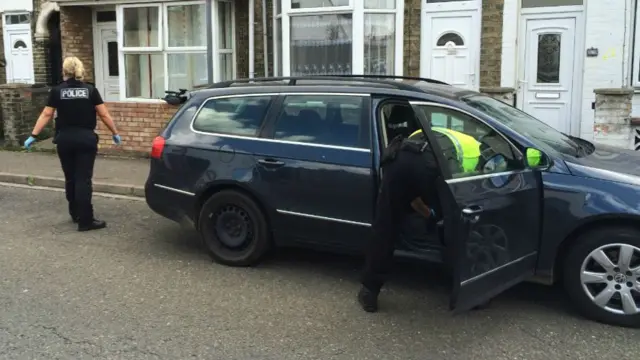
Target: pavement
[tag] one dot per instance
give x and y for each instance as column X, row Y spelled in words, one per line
column 144, row 288
column 112, row 175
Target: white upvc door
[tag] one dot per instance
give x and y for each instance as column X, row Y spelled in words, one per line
column 548, row 71
column 18, row 50
column 107, row 67
column 450, row 43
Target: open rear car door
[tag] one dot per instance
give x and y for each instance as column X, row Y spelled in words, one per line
column 491, row 225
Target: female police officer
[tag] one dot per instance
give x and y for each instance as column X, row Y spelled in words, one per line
column 76, row 103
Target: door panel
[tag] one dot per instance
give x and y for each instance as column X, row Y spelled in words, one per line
column 320, row 169
column 549, row 54
column 448, row 50
column 110, row 70
column 492, row 214
column 19, row 52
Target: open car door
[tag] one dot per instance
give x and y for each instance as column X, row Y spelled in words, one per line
column 491, row 219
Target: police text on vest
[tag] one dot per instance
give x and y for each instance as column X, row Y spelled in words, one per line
column 74, row 93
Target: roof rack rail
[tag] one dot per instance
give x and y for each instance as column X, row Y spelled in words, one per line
column 292, row 80
column 395, row 77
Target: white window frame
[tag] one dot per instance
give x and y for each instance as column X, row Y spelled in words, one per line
column 357, row 10
column 163, row 47
column 218, row 50
column 635, row 61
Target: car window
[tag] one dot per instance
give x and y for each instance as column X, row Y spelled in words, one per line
column 470, row 147
column 539, row 132
column 234, row 116
column 322, row 119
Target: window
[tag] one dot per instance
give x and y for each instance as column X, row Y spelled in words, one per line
column 164, row 46
column 323, row 119
column 470, row 147
column 241, row 116
column 17, row 19
column 334, row 37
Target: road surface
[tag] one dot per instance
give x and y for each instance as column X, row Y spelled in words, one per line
column 144, row 289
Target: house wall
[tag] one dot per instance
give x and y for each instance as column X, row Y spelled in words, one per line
column 608, row 29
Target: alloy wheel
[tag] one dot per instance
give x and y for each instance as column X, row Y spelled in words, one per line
column 610, row 277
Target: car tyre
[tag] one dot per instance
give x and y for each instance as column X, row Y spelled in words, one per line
column 234, row 229
column 585, row 279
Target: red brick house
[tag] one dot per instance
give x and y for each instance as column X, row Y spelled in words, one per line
column 134, row 50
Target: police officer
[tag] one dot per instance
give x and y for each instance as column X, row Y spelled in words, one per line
column 77, row 104
column 408, row 184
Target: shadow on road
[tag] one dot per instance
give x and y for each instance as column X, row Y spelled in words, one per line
column 426, row 280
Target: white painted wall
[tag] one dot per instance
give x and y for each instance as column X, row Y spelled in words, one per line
column 609, row 29
column 16, row 5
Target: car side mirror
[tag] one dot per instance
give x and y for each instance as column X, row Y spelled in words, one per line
column 536, row 159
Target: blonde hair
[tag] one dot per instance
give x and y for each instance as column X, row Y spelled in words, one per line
column 72, row 68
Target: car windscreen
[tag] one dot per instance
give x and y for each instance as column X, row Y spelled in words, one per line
column 537, row 131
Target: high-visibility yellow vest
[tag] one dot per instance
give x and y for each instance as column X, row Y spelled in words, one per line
column 467, row 148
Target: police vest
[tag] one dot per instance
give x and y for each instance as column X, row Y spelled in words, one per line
column 466, row 149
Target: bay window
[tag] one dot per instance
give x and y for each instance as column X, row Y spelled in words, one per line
column 164, row 46
column 332, row 37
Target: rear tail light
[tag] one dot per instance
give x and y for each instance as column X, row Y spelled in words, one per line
column 157, row 147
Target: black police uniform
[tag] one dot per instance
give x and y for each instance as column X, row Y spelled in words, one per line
column 77, row 145
column 411, row 173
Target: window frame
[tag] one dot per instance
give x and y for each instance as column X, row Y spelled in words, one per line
column 518, row 155
column 358, row 11
column 635, row 51
column 163, row 47
column 265, row 121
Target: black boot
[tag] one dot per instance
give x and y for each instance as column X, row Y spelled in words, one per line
column 368, row 299
column 92, row 225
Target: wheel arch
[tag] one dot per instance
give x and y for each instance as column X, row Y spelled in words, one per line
column 219, row 186
column 609, row 220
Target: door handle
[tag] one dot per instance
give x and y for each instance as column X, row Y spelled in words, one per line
column 472, row 210
column 271, row 162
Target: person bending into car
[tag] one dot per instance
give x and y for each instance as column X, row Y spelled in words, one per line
column 408, row 184
column 77, row 104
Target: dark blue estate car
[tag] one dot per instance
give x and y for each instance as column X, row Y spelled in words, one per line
column 295, row 162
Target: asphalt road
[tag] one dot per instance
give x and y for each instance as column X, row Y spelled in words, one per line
column 144, row 289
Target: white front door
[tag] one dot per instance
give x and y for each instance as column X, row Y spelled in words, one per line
column 450, row 43
column 19, row 54
column 547, row 72
column 107, row 77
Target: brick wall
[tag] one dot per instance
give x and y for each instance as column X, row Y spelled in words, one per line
column 77, row 36
column 411, row 46
column 612, row 117
column 491, row 43
column 20, row 106
column 242, row 38
column 137, row 123
column 41, row 68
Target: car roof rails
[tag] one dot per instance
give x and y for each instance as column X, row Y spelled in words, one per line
column 374, row 79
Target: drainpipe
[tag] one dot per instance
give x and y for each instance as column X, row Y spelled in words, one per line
column 251, row 36
column 265, row 46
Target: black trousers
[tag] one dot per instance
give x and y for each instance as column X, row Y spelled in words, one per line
column 77, row 164
column 379, row 257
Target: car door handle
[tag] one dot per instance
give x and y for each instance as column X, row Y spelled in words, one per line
column 271, row 162
column 472, row 210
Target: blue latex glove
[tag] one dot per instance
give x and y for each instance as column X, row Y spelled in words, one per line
column 29, row 142
column 116, row 139
column 433, row 213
